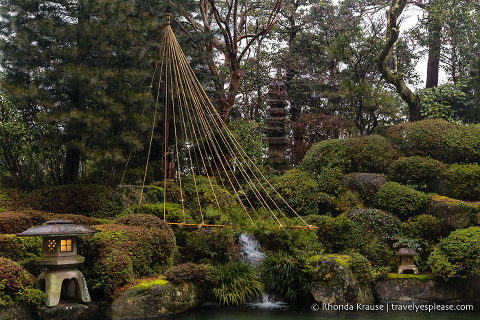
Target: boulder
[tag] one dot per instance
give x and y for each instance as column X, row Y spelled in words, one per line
column 156, row 299
column 416, row 289
column 22, row 311
column 336, row 284
column 451, row 214
column 365, row 184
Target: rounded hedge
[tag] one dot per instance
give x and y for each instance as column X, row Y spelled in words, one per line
column 173, row 212
column 372, row 153
column 402, row 201
column 464, row 181
column 438, row 139
column 423, row 173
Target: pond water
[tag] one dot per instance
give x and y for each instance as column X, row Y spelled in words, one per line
column 284, row 312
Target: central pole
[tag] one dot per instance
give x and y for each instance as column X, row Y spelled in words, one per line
column 168, row 152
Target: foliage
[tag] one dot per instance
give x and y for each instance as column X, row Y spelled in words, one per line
column 339, row 234
column 437, row 139
column 209, row 246
column 287, row 273
column 329, row 180
column 457, row 255
column 121, row 253
column 16, row 285
column 422, row 226
column 378, row 223
column 360, row 267
column 449, row 102
column 366, row 154
column 299, row 190
column 208, row 192
column 248, row 136
column 238, row 283
column 402, row 201
column 143, row 220
column 88, row 200
column 200, row 274
column 288, row 240
column 422, row 173
column 464, row 181
column 15, row 222
column 173, row 212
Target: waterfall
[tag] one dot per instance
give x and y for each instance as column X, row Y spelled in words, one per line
column 251, row 252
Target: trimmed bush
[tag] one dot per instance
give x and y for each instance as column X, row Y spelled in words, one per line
column 464, row 181
column 329, row 180
column 437, row 139
column 377, row 222
column 143, row 220
column 422, row 173
column 89, row 200
column 121, row 253
column 16, row 285
column 202, row 246
column 339, row 234
column 365, row 154
column 424, row 226
column 190, row 272
column 299, row 190
column 402, row 201
column 457, row 255
column 173, row 212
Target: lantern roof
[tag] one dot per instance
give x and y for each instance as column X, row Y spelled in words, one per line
column 58, row 228
column 406, row 251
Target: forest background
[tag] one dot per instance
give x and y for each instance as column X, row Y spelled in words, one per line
column 76, row 96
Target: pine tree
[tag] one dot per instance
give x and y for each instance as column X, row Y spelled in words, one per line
column 84, row 65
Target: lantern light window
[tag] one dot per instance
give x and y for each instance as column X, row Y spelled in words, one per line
column 66, row 245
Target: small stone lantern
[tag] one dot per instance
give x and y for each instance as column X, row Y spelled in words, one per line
column 406, row 255
column 60, row 259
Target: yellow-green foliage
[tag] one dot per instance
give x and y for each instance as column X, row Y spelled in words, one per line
column 173, row 212
column 365, row 154
column 322, row 268
column 148, row 284
column 427, row 276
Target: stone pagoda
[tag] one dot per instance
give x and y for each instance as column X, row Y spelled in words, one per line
column 275, row 129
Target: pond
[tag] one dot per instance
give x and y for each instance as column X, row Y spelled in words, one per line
column 285, row 312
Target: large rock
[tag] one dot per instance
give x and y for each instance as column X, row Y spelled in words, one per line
column 156, row 300
column 452, row 214
column 335, row 283
column 415, row 289
column 23, row 311
column 365, row 184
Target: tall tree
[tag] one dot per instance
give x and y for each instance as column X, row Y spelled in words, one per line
column 394, row 76
column 84, row 66
column 235, row 26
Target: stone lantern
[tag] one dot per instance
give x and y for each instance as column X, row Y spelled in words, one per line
column 406, row 255
column 60, row 259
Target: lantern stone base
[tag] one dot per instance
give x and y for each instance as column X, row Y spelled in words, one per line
column 403, row 268
column 53, row 284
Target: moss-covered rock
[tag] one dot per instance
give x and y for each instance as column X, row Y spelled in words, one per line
column 453, row 214
column 337, row 281
column 156, row 298
column 365, row 184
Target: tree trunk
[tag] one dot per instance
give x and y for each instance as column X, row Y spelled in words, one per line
column 434, row 47
column 72, row 165
column 393, row 76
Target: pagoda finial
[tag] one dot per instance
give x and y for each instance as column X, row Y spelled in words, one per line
column 168, row 16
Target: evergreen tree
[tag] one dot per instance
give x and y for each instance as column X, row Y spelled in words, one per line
column 84, row 65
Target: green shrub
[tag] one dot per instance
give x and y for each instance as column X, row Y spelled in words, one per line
column 173, row 212
column 329, row 180
column 323, row 266
column 437, row 139
column 143, row 220
column 208, row 192
column 16, row 285
column 300, row 190
column 457, row 255
column 365, row 154
column 339, row 234
column 288, row 239
column 206, row 246
column 200, row 274
column 89, row 200
column 423, row 226
column 402, row 201
column 423, row 173
column 173, row 193
column 378, row 223
column 464, row 181
column 238, row 283
column 287, row 274
column 120, row 253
